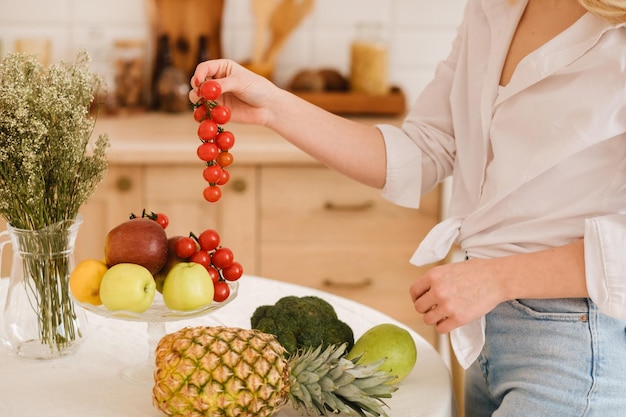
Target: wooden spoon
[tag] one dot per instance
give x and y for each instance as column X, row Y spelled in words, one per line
column 286, row 17
column 262, row 11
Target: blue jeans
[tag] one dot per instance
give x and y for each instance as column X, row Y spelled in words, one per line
column 552, row 358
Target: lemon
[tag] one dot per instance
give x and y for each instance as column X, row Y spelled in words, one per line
column 85, row 281
column 390, row 342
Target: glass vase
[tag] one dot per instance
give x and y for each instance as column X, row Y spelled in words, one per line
column 40, row 319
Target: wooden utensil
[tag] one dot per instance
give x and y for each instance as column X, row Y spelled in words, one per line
column 286, row 17
column 262, row 11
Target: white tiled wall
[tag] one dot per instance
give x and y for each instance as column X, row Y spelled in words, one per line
column 419, row 32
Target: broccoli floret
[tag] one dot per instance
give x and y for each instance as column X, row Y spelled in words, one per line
column 302, row 322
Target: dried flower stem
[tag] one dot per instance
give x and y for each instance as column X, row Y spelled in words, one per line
column 48, row 169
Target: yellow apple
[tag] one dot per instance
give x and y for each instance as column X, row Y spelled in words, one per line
column 188, row 286
column 128, row 287
column 85, row 281
column 389, row 342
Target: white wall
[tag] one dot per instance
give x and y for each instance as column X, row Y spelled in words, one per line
column 420, row 32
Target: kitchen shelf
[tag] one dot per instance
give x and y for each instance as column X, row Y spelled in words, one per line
column 352, row 103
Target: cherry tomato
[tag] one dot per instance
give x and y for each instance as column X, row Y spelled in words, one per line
column 221, row 291
column 222, row 258
column 162, row 220
column 212, row 174
column 224, row 178
column 207, row 151
column 215, row 275
column 210, row 90
column 207, row 129
column 233, row 272
column 199, row 113
column 224, row 159
column 212, row 193
column 185, row 247
column 225, row 140
column 201, row 257
column 209, row 240
column 220, row 114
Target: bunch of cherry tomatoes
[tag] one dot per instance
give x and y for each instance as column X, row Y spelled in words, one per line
column 205, row 250
column 214, row 150
column 216, row 141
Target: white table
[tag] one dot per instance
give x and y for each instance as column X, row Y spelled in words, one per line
column 89, row 383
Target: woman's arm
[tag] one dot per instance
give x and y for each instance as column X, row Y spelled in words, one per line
column 353, row 149
column 455, row 294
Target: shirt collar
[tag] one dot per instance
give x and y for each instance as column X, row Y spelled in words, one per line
column 559, row 52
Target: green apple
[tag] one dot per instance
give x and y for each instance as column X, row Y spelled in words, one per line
column 127, row 286
column 188, row 286
column 172, row 260
column 389, row 342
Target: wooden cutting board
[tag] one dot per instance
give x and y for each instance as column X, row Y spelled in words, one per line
column 358, row 104
column 185, row 21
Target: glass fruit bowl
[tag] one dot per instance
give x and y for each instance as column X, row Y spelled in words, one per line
column 158, row 311
column 155, row 317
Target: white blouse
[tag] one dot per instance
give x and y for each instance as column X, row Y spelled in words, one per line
column 536, row 164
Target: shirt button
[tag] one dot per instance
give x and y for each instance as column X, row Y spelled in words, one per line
column 583, row 317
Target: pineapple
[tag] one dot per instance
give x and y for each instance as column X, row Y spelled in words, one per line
column 222, row 371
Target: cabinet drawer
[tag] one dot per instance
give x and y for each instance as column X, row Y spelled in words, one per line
column 338, row 267
column 177, row 191
column 117, row 196
column 379, row 278
column 303, row 204
column 325, row 231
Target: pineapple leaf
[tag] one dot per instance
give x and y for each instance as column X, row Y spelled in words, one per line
column 325, row 382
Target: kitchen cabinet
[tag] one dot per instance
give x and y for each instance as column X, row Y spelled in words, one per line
column 320, row 229
column 284, row 215
column 116, row 197
column 175, row 190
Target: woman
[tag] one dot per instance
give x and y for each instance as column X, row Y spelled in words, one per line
column 528, row 116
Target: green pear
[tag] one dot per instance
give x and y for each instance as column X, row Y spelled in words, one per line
column 389, row 342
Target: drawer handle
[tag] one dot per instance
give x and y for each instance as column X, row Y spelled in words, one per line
column 365, row 282
column 366, row 205
column 239, row 185
column 124, row 184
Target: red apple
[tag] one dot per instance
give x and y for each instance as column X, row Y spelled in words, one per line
column 140, row 241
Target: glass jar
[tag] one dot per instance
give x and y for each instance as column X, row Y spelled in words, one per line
column 368, row 60
column 129, row 63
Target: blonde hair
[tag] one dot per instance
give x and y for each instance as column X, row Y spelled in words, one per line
column 612, row 10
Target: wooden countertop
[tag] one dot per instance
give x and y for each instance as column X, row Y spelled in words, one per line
column 156, row 137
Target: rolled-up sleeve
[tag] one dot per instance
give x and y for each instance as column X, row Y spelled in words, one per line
column 421, row 152
column 404, row 168
column 605, row 263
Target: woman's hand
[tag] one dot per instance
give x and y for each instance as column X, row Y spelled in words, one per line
column 455, row 294
column 352, row 148
column 248, row 95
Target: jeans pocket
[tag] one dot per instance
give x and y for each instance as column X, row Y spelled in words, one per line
column 559, row 309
